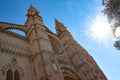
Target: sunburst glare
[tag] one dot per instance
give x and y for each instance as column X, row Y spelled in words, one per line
column 100, row 29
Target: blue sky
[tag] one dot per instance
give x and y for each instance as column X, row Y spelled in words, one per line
column 77, row 16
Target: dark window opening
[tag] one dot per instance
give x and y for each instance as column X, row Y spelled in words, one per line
column 13, row 76
column 16, row 75
column 9, row 75
column 68, row 78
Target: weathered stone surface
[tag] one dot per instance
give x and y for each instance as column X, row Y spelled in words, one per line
column 43, row 55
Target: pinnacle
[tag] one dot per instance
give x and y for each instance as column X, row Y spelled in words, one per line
column 31, row 7
column 57, row 22
column 32, row 11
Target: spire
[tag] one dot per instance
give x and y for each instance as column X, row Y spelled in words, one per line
column 62, row 31
column 57, row 23
column 33, row 17
column 32, row 11
column 59, row 27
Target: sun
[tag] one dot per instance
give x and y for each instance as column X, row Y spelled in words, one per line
column 100, row 29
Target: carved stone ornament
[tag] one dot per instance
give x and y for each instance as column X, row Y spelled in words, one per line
column 13, row 66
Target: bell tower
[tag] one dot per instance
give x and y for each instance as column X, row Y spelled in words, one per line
column 44, row 63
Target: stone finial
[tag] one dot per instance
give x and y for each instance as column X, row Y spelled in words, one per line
column 32, row 11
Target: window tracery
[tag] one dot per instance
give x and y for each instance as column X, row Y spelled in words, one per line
column 12, row 71
column 10, row 75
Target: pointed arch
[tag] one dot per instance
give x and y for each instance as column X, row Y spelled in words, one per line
column 68, row 78
column 16, row 75
column 9, row 75
column 69, row 74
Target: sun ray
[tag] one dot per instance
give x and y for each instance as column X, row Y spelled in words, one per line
column 100, row 29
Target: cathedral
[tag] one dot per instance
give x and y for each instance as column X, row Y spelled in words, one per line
column 42, row 54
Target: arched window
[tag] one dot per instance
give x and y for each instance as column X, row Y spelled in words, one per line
column 9, row 75
column 16, row 75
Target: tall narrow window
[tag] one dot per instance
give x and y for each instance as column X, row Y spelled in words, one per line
column 16, row 75
column 9, row 75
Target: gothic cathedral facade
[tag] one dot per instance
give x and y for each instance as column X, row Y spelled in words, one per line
column 42, row 54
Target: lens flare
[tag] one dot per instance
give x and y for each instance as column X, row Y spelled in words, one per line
column 100, row 29
column 117, row 32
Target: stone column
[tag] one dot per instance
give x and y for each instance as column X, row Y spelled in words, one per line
column 51, row 67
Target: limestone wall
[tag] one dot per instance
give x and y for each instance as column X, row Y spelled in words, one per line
column 15, row 55
column 14, row 45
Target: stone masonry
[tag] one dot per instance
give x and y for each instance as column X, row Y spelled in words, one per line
column 43, row 55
